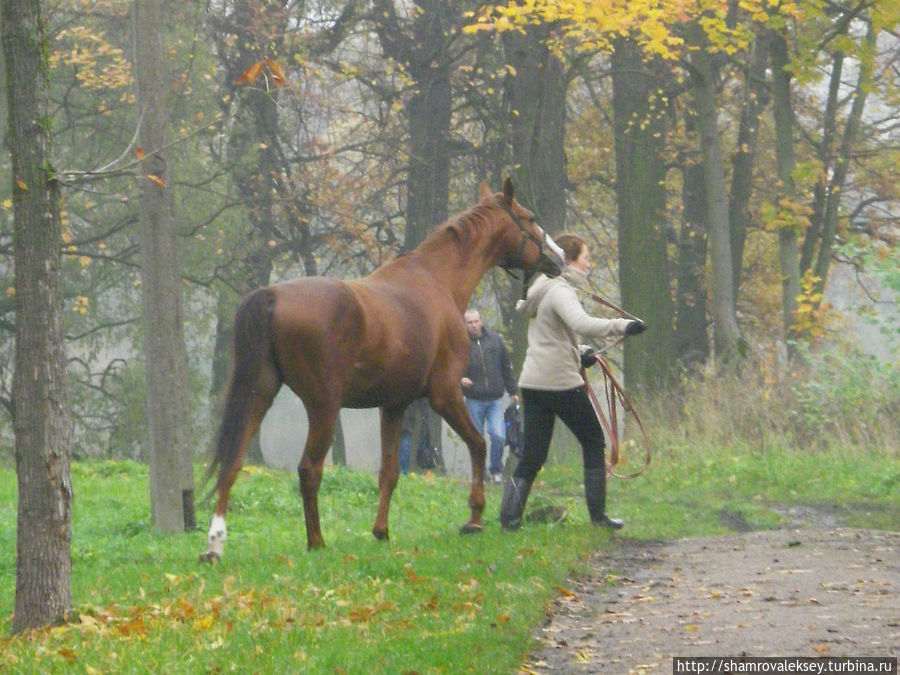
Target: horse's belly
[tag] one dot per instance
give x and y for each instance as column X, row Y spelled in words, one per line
column 393, row 388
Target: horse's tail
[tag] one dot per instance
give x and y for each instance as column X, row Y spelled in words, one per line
column 252, row 348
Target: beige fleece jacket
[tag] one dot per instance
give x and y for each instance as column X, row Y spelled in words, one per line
column 557, row 323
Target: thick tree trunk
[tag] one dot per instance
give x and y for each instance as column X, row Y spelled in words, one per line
column 41, row 418
column 171, row 467
column 537, row 119
column 537, row 106
column 640, row 196
column 428, row 174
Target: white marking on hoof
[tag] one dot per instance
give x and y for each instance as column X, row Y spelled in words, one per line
column 216, row 537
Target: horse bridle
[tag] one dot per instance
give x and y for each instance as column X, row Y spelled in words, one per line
column 526, row 237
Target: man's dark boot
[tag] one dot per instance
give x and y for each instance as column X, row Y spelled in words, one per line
column 595, row 496
column 515, row 494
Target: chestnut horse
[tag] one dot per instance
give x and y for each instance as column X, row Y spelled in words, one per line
column 381, row 341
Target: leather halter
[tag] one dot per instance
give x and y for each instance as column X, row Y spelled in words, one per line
column 526, row 237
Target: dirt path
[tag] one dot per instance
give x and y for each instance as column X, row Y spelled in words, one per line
column 824, row 591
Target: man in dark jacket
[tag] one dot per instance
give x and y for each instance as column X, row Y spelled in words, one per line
column 489, row 374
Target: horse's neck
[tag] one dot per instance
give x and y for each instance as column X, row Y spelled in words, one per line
column 458, row 267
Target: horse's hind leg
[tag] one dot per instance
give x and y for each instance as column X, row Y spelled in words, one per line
column 391, row 428
column 261, row 401
column 255, row 379
column 321, row 432
column 452, row 408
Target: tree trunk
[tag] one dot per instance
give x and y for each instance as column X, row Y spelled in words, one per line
column 756, row 97
column 537, row 119
column 839, row 176
column 826, row 155
column 171, row 467
column 428, row 173
column 691, row 337
column 727, row 335
column 40, row 401
column 537, row 106
column 783, row 113
column 640, row 199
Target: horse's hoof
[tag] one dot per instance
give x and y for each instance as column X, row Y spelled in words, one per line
column 209, row 557
column 381, row 535
column 471, row 528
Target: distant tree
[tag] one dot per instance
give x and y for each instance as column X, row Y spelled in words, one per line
column 424, row 45
column 40, row 400
column 268, row 168
column 788, row 227
column 704, row 76
column 427, row 44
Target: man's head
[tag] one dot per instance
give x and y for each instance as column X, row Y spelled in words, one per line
column 473, row 323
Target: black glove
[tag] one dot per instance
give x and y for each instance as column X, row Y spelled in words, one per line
column 588, row 358
column 635, row 327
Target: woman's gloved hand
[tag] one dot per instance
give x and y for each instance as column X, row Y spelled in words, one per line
column 635, row 327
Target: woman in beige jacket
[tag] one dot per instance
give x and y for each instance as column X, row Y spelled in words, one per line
column 551, row 383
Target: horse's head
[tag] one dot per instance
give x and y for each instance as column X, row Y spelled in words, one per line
column 525, row 244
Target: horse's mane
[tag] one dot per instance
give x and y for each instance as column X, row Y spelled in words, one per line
column 460, row 229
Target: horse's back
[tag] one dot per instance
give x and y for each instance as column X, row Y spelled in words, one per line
column 369, row 342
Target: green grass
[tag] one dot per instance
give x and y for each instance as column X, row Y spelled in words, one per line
column 428, row 601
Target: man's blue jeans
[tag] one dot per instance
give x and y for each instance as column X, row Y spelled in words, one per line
column 491, row 413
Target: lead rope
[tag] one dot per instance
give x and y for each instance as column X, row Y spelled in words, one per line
column 614, row 393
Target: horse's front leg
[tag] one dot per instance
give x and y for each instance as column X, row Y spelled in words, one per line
column 452, row 408
column 321, row 432
column 391, row 428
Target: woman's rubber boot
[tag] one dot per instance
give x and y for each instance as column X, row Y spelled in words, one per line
column 595, row 496
column 515, row 494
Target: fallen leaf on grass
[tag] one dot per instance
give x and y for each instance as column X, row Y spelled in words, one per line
column 565, row 592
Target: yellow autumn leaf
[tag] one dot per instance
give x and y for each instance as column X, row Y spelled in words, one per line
column 204, row 622
column 156, row 179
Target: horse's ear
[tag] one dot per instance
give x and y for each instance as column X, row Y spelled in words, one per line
column 484, row 191
column 508, row 191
